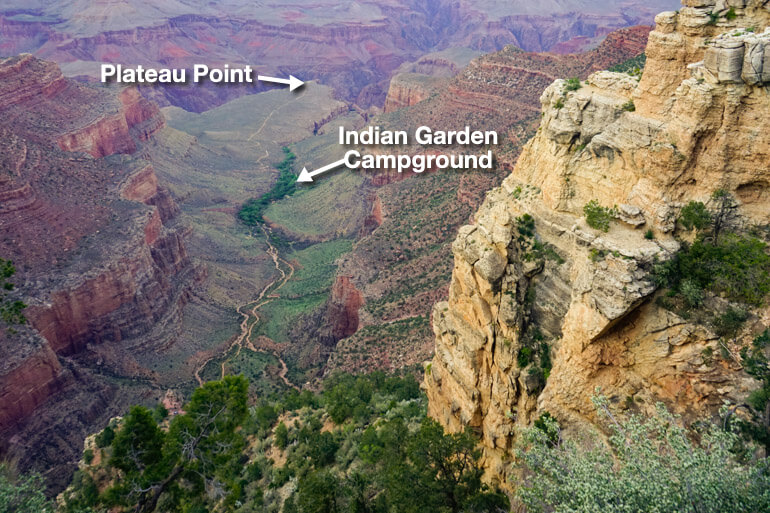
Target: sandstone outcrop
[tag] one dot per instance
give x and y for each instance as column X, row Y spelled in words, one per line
column 401, row 282
column 530, row 271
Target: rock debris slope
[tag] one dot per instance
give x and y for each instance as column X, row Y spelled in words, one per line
column 530, row 271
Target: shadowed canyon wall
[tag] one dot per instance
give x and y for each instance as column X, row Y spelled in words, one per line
column 99, row 252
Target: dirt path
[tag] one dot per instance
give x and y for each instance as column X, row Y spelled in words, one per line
column 244, row 339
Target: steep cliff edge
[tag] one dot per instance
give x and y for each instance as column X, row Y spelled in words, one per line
column 99, row 253
column 533, row 282
column 400, row 282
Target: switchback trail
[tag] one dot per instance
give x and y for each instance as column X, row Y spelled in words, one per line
column 251, row 318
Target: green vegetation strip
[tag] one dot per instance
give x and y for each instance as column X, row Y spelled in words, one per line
column 252, row 211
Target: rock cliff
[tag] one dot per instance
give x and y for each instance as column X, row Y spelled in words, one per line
column 99, row 252
column 407, row 89
column 530, row 273
column 353, row 47
column 399, row 283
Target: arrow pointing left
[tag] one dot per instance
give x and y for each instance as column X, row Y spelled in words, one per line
column 293, row 82
column 307, row 176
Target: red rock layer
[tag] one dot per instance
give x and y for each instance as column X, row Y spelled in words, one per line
column 93, row 120
column 407, row 89
column 343, row 308
column 23, row 387
column 99, row 252
column 356, row 56
column 375, row 217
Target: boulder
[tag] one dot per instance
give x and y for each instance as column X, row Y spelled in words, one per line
column 725, row 61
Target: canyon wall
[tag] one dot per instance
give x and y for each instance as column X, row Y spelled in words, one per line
column 407, row 89
column 99, row 252
column 400, row 282
column 355, row 50
column 529, row 272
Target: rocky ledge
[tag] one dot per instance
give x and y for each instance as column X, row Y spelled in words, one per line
column 533, row 280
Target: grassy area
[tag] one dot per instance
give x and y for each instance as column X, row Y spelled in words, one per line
column 306, row 291
column 332, row 206
column 279, row 316
column 254, row 367
column 315, row 268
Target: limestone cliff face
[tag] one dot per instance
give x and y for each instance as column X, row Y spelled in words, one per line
column 695, row 122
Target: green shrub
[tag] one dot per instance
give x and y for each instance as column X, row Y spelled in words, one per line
column 525, row 225
column 597, row 216
column 648, row 464
column 692, row 292
column 524, row 357
column 695, row 215
column 22, row 493
column 596, row 255
column 281, row 436
column 559, row 103
column 105, row 438
column 738, row 267
column 629, row 106
column 649, row 235
column 11, row 311
column 573, row 84
column 754, row 360
column 88, row 456
column 730, row 322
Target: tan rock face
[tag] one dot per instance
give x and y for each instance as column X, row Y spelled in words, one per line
column 696, row 122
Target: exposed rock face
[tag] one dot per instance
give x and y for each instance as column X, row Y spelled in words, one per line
column 343, row 308
column 353, row 47
column 94, row 121
column 26, row 386
column 408, row 89
column 98, row 249
column 337, row 319
column 401, row 282
column 693, row 127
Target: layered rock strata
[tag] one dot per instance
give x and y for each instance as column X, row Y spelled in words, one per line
column 99, row 253
column 401, row 282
